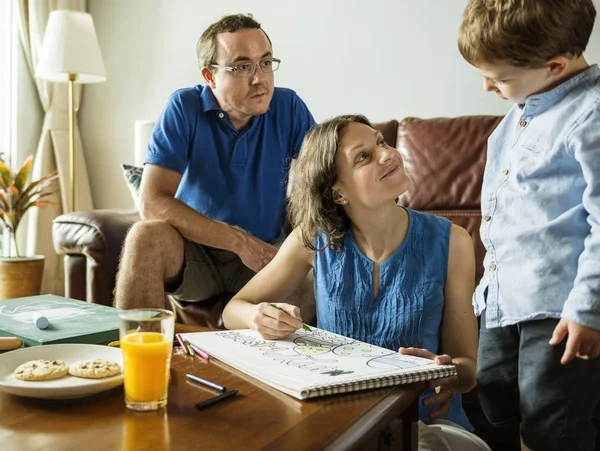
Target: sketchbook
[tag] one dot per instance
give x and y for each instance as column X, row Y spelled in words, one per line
column 317, row 363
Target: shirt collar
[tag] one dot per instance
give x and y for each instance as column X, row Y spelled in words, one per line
column 209, row 102
column 537, row 103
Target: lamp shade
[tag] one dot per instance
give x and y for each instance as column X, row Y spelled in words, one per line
column 70, row 46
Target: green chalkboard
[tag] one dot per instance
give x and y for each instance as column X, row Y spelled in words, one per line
column 71, row 320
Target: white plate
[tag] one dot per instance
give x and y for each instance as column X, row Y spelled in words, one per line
column 65, row 387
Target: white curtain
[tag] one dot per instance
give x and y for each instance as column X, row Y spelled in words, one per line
column 53, row 147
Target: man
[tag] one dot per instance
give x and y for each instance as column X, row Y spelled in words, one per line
column 212, row 198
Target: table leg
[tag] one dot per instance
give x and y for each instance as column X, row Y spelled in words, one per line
column 410, row 427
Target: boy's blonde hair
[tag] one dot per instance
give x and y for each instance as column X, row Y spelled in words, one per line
column 311, row 206
column 524, row 33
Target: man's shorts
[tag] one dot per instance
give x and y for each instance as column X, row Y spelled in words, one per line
column 521, row 380
column 209, row 272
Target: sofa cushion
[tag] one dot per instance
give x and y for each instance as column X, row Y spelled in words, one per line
column 133, row 177
column 445, row 159
column 389, row 131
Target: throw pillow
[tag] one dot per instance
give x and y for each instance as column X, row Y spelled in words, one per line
column 133, row 177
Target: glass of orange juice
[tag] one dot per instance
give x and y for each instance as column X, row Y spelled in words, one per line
column 146, row 343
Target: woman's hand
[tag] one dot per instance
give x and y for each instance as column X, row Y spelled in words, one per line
column 444, row 387
column 272, row 323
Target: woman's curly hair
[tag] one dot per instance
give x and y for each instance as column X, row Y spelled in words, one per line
column 311, row 206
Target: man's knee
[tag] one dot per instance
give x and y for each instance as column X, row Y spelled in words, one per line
column 155, row 245
column 153, row 236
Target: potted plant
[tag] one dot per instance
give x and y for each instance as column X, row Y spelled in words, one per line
column 21, row 276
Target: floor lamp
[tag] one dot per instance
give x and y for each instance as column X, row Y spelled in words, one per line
column 71, row 54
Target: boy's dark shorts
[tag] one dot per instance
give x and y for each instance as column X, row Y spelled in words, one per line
column 521, row 380
column 209, row 272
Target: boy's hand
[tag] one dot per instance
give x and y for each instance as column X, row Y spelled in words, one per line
column 583, row 342
column 444, row 387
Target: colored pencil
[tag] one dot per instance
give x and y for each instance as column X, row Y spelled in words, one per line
column 199, row 352
column 304, row 326
column 181, row 342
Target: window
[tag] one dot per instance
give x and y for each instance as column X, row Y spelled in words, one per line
column 7, row 88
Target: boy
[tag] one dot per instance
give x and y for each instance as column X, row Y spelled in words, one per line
column 540, row 205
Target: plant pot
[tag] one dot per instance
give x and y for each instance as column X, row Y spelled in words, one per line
column 21, row 276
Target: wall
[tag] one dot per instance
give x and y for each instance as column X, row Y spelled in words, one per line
column 386, row 59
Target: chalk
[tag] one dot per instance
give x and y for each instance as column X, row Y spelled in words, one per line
column 40, row 321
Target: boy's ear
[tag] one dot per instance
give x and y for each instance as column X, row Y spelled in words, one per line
column 557, row 65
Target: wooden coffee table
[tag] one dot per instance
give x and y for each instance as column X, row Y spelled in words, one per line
column 259, row 417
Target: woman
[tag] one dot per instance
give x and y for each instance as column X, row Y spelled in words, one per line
column 383, row 274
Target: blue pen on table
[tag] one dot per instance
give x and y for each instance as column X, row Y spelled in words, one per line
column 210, row 384
column 304, row 326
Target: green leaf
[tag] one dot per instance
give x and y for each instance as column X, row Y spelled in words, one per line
column 42, row 183
column 4, row 220
column 38, row 203
column 3, row 200
column 23, row 174
column 10, row 220
column 31, row 201
column 5, row 175
column 13, row 197
column 17, row 195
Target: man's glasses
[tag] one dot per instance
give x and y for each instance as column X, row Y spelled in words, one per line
column 248, row 69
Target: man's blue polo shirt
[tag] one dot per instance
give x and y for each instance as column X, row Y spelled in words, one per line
column 236, row 177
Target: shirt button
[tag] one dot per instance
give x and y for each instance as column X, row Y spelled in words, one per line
column 487, row 218
column 221, row 115
column 493, row 266
column 504, row 171
column 522, row 122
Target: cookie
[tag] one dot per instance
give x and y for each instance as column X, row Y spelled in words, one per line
column 41, row 370
column 94, row 369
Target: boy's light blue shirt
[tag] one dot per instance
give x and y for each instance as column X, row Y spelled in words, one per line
column 540, row 205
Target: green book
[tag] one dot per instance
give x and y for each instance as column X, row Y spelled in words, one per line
column 70, row 320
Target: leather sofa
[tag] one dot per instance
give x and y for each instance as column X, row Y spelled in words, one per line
column 445, row 158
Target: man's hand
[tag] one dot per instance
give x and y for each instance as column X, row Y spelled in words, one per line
column 583, row 342
column 444, row 387
column 255, row 253
column 272, row 323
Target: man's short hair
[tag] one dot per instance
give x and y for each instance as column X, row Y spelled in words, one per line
column 206, row 48
column 524, row 33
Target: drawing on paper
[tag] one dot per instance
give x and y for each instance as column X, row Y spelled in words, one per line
column 323, row 352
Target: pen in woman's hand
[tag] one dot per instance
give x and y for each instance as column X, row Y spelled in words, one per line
column 304, row 326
